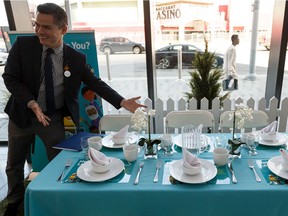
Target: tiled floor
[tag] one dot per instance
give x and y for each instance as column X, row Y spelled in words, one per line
column 3, row 179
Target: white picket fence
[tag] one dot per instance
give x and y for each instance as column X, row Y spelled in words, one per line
column 162, row 108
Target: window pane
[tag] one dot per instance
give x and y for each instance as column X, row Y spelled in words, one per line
column 189, row 22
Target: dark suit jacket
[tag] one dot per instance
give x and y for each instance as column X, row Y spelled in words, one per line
column 22, row 78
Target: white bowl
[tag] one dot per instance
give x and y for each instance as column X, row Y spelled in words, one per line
column 268, row 137
column 101, row 168
column 192, row 170
column 119, row 140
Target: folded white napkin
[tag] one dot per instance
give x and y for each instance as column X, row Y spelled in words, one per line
column 189, row 160
column 270, row 129
column 122, row 133
column 98, row 157
column 283, row 153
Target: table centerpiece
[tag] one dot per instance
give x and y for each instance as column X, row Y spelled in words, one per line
column 241, row 113
column 141, row 121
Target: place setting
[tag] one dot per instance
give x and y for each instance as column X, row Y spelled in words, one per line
column 279, row 164
column 269, row 136
column 100, row 167
column 191, row 169
column 119, row 139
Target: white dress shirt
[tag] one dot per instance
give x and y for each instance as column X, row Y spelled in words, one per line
column 230, row 62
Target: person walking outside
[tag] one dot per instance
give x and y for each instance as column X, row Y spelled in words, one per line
column 229, row 67
column 230, row 58
column 41, row 96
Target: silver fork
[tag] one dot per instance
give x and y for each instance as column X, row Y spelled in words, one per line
column 251, row 165
column 67, row 165
column 138, row 173
column 158, row 166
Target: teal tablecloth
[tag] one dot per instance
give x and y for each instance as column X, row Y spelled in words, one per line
column 120, row 197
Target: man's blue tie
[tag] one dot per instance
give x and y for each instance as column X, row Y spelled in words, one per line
column 49, row 86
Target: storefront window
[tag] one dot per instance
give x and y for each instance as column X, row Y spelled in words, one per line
column 119, row 35
column 188, row 23
column 175, row 22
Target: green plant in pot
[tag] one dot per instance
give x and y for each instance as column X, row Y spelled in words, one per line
column 205, row 78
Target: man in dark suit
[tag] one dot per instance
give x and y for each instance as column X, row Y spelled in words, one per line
column 31, row 108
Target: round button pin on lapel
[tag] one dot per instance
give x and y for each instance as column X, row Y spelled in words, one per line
column 67, row 73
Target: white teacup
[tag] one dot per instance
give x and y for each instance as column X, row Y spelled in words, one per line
column 95, row 142
column 220, row 156
column 130, row 152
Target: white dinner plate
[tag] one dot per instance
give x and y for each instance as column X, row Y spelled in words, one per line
column 208, row 172
column 280, row 140
column 275, row 166
column 86, row 173
column 108, row 142
column 177, row 140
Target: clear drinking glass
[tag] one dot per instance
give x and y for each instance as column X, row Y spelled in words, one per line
column 191, row 139
column 85, row 145
column 167, row 144
column 252, row 143
column 220, row 141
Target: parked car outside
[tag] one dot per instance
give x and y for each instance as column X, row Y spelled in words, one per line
column 120, row 44
column 3, row 57
column 167, row 57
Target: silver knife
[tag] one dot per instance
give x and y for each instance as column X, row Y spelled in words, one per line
column 234, row 180
column 138, row 173
column 158, row 166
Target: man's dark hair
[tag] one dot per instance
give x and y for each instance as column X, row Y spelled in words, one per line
column 58, row 13
column 234, row 37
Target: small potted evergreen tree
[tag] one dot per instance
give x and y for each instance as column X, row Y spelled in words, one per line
column 205, row 79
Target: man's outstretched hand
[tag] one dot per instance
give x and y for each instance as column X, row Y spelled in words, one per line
column 132, row 104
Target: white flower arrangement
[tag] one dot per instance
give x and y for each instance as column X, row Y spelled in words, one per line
column 241, row 113
column 141, row 121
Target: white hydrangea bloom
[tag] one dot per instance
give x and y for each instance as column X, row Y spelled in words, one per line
column 241, row 113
